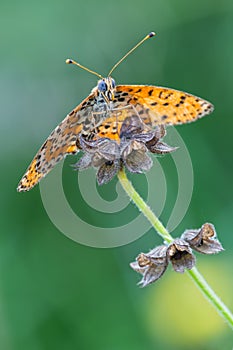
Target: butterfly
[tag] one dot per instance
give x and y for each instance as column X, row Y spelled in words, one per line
column 103, row 112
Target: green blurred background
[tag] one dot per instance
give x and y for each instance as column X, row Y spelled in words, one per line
column 55, row 293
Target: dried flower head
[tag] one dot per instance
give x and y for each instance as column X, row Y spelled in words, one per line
column 131, row 150
column 203, row 240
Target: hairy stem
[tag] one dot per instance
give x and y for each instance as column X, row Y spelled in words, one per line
column 163, row 232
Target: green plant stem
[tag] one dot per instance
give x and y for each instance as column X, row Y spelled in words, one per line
column 163, row 232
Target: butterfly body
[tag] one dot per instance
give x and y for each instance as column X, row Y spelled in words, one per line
column 103, row 97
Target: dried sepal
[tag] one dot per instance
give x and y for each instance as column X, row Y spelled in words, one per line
column 155, row 145
column 157, row 255
column 107, row 171
column 160, row 148
column 159, row 132
column 84, row 162
column 131, row 127
column 144, row 137
column 109, row 150
column 135, row 158
column 105, row 147
column 203, row 240
column 180, row 255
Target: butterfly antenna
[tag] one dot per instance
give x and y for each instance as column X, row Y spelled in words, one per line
column 69, row 61
column 150, row 35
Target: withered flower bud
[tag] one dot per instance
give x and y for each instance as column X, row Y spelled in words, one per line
column 103, row 154
column 151, row 265
column 181, row 256
column 203, row 240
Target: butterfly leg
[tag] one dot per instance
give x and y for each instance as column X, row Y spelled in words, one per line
column 134, row 112
column 93, row 122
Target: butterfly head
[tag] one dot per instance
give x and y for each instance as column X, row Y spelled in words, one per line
column 106, row 87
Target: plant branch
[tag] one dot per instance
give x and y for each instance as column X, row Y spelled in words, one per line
column 163, row 232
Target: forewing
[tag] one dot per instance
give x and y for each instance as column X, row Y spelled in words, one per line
column 61, row 141
column 158, row 105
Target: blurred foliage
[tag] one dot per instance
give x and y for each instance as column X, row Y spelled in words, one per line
column 55, row 293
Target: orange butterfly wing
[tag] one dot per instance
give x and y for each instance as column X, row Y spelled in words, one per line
column 62, row 141
column 159, row 105
column 154, row 105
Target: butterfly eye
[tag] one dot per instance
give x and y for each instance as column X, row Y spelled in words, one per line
column 113, row 83
column 102, row 86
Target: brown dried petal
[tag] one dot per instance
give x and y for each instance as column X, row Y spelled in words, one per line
column 97, row 160
column 109, row 149
column 107, row 171
column 104, row 146
column 160, row 132
column 131, row 146
column 203, row 240
column 143, row 260
column 180, row 255
column 135, row 157
column 144, row 137
column 84, row 162
column 160, row 148
column 152, row 274
column 135, row 266
column 138, row 162
column 97, row 152
column 131, row 126
column 89, row 145
column 158, row 255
